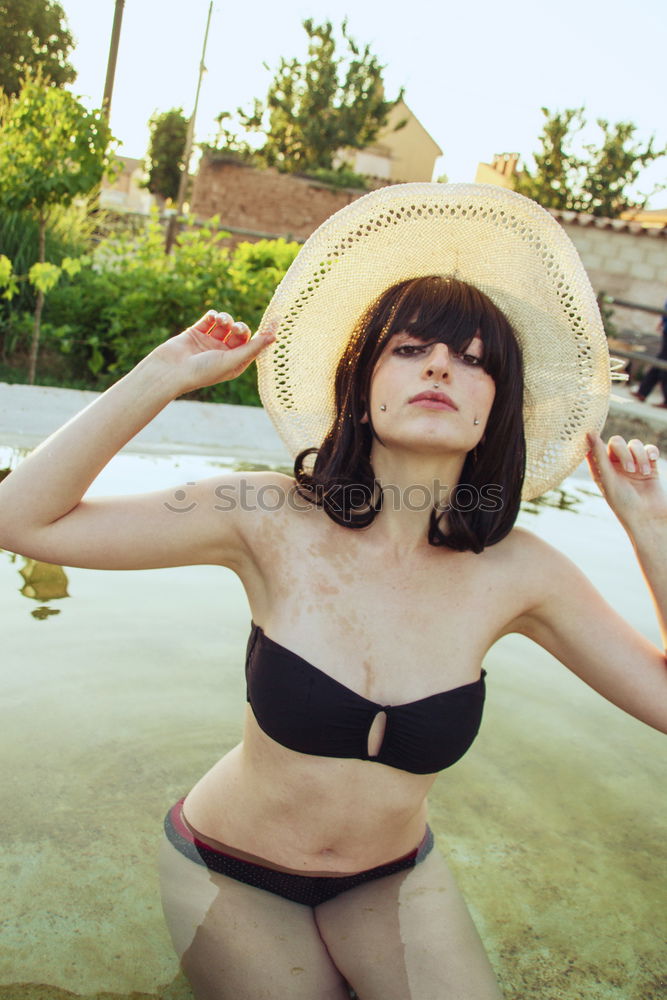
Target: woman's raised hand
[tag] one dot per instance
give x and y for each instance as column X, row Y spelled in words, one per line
column 214, row 349
column 627, row 474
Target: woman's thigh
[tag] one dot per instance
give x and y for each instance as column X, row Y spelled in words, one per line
column 237, row 942
column 408, row 936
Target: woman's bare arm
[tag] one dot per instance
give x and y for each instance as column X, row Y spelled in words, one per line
column 570, row 618
column 42, row 511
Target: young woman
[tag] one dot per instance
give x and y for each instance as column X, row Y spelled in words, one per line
column 302, row 865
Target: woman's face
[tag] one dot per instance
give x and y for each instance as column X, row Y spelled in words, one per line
column 433, row 395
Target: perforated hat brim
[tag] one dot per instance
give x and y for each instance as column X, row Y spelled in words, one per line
column 504, row 244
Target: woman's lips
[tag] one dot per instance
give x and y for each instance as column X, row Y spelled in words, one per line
column 432, row 404
column 433, row 401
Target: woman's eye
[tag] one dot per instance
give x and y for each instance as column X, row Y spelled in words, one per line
column 407, row 350
column 410, row 350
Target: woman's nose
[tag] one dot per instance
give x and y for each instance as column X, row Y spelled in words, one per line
column 438, row 362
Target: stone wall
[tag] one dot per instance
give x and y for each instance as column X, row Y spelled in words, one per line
column 625, row 261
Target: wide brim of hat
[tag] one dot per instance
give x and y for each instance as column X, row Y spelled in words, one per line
column 501, row 242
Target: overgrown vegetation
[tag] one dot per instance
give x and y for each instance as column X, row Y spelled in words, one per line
column 52, row 150
column 597, row 180
column 315, row 109
column 128, row 297
column 69, row 234
column 35, row 36
column 340, row 177
column 168, row 130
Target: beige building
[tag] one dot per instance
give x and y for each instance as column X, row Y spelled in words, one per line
column 125, row 193
column 408, row 154
column 500, row 171
column 649, row 218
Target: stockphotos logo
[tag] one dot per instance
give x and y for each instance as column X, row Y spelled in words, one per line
column 342, row 498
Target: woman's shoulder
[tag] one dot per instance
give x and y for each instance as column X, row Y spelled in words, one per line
column 522, row 548
column 536, row 567
column 254, row 490
column 269, row 503
column 525, row 572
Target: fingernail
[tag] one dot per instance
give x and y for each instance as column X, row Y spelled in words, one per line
column 646, row 469
column 629, row 466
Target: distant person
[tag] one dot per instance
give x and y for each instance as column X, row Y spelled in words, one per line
column 393, row 360
column 655, row 375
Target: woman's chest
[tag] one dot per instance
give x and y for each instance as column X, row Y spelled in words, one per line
column 391, row 632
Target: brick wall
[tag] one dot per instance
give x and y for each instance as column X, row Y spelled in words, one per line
column 264, row 201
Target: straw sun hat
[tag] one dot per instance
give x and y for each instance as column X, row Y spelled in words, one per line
column 504, row 244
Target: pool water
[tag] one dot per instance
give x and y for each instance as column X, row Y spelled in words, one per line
column 120, row 689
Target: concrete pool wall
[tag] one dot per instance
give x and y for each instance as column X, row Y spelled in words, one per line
column 555, row 822
column 28, row 414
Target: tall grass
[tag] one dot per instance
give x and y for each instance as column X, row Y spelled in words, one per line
column 70, row 233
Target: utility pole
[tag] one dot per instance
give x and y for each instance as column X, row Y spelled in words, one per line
column 172, row 228
column 113, row 55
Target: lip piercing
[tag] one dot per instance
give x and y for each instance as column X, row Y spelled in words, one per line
column 383, row 406
column 476, row 420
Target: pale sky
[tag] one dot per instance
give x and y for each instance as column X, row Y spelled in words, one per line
column 475, row 74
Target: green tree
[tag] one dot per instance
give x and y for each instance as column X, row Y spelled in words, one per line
column 35, row 36
column 598, row 179
column 314, row 109
column 165, row 153
column 613, row 168
column 52, row 150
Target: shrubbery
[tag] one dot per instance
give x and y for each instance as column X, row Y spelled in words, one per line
column 128, row 297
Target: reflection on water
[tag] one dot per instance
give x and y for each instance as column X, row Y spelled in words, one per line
column 287, row 470
column 177, row 989
column 43, row 582
column 560, row 499
column 554, row 822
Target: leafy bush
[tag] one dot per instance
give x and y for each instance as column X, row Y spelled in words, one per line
column 341, row 176
column 130, row 297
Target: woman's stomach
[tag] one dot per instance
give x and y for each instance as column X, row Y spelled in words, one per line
column 305, row 812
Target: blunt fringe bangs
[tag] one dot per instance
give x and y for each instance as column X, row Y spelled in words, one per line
column 342, row 481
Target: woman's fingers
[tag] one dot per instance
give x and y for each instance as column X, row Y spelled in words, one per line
column 214, row 349
column 641, row 458
column 222, row 328
column 217, row 325
column 634, row 457
column 239, row 334
column 628, row 476
column 206, row 323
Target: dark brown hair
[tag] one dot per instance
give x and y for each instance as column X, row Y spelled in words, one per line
column 342, row 481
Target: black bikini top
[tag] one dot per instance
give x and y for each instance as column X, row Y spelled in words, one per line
column 303, row 709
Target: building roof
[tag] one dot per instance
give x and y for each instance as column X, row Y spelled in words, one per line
column 646, row 216
column 617, row 225
column 400, row 111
